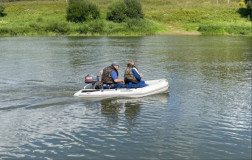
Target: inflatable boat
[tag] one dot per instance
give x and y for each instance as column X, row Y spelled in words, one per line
column 90, row 90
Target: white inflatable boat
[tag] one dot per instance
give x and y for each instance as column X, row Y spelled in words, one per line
column 154, row 87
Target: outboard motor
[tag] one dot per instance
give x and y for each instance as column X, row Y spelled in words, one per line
column 93, row 80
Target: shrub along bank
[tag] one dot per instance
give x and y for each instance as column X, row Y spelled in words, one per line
column 51, row 18
column 158, row 16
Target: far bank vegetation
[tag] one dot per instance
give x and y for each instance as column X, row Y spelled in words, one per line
column 124, row 17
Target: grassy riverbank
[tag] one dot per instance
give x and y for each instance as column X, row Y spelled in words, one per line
column 161, row 17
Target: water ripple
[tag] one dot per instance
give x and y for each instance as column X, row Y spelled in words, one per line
column 206, row 114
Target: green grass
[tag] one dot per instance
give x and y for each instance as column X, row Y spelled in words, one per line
column 204, row 16
column 161, row 16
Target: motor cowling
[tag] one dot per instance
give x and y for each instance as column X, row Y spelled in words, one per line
column 91, row 79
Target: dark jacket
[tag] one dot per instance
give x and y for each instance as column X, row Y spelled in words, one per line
column 129, row 76
column 106, row 75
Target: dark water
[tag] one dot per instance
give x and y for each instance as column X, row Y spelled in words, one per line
column 205, row 115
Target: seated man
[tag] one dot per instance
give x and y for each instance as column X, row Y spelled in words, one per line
column 110, row 77
column 132, row 77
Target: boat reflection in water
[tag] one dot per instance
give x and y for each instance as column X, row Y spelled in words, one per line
column 128, row 108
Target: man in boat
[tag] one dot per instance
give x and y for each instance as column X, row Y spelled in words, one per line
column 110, row 77
column 132, row 77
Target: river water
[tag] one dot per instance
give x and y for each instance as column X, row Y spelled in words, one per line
column 205, row 115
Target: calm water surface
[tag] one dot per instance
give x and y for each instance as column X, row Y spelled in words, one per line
column 205, row 115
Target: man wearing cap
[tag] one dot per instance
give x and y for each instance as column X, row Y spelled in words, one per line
column 110, row 77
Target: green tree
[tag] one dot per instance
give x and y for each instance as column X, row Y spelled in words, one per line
column 249, row 8
column 121, row 10
column 2, row 8
column 117, row 12
column 82, row 10
column 134, row 9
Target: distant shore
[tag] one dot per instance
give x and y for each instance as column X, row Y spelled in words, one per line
column 48, row 18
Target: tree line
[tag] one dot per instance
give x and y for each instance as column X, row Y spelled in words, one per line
column 118, row 11
column 84, row 10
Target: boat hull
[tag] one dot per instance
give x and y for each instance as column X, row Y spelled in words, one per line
column 154, row 87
